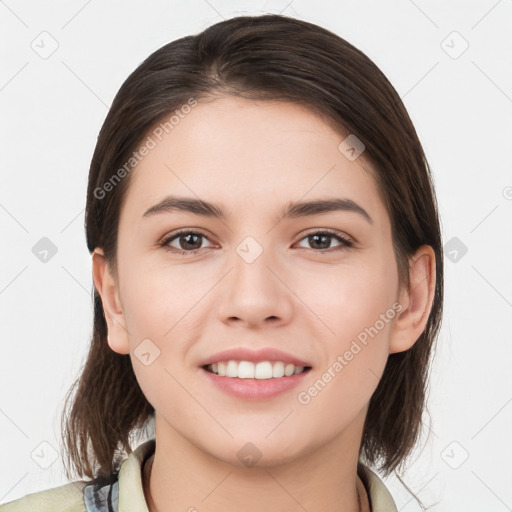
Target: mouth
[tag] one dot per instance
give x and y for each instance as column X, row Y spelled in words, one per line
column 247, row 380
column 262, row 370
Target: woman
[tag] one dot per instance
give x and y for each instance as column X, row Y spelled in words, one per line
column 268, row 281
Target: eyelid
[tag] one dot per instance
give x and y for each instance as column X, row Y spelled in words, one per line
column 166, row 239
column 346, row 241
column 328, row 231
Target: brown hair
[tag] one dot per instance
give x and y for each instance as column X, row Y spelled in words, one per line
column 267, row 57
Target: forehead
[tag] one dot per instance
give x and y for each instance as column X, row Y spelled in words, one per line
column 248, row 154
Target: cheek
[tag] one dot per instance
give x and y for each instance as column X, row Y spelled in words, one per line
column 355, row 305
column 155, row 318
column 349, row 298
column 155, row 298
column 358, row 309
column 160, row 307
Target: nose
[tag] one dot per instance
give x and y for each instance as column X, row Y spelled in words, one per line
column 255, row 294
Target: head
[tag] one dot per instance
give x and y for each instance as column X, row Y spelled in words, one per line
column 253, row 115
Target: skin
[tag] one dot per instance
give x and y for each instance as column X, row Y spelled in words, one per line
column 253, row 158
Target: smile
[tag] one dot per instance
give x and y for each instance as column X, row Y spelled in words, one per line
column 262, row 386
column 250, row 370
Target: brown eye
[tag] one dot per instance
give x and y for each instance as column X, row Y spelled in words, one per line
column 189, row 242
column 321, row 241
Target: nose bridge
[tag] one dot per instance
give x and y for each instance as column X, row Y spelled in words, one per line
column 254, row 292
column 251, row 275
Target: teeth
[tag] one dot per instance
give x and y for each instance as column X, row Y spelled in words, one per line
column 278, row 369
column 249, row 370
column 262, row 370
column 246, row 370
column 232, row 369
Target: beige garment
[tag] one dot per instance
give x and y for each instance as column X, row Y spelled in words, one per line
column 70, row 497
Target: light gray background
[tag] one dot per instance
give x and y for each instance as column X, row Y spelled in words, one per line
column 461, row 104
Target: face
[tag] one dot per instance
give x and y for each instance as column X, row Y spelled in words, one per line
column 321, row 287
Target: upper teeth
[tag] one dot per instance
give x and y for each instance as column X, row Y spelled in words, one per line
column 249, row 370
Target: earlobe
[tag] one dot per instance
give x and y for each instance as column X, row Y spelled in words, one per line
column 108, row 290
column 416, row 301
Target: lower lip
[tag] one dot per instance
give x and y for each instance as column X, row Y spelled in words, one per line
column 255, row 389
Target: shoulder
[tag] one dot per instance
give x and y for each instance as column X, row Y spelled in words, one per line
column 380, row 498
column 65, row 498
column 83, row 496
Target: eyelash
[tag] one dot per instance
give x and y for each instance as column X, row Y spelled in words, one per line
column 345, row 242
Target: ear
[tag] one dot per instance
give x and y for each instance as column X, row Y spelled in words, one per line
column 107, row 287
column 416, row 302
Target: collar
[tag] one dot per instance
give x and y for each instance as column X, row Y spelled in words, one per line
column 127, row 494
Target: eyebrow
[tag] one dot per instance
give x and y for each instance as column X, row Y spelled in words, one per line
column 293, row 209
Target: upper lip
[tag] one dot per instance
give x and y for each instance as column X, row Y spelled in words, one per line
column 246, row 354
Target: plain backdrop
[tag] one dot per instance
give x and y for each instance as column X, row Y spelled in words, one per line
column 451, row 62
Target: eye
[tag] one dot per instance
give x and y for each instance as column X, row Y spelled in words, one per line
column 323, row 240
column 189, row 242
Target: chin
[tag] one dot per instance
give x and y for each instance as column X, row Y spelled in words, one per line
column 253, row 450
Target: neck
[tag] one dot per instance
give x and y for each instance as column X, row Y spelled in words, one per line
column 180, row 476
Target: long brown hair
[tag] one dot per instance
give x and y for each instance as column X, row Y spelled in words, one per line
column 258, row 57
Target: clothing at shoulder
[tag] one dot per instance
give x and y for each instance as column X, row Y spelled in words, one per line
column 380, row 497
column 127, row 495
column 65, row 498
